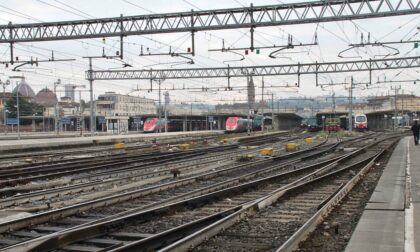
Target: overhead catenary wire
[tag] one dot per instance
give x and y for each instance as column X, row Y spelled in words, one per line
column 315, row 57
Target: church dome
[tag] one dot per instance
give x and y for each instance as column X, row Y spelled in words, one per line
column 24, row 89
column 46, row 98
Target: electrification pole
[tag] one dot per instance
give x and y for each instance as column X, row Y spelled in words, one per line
column 160, row 110
column 56, row 128
column 166, row 110
column 159, row 82
column 396, row 89
column 262, row 106
column 17, row 109
column 4, row 104
column 92, row 120
column 272, row 111
column 351, row 106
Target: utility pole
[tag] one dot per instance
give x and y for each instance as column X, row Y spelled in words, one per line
column 272, row 111
column 166, row 113
column 17, row 109
column 56, row 128
column 402, row 106
column 251, row 101
column 191, row 122
column 4, row 103
column 17, row 101
column 160, row 109
column 351, row 105
column 92, row 120
column 396, row 89
column 159, row 82
column 262, row 106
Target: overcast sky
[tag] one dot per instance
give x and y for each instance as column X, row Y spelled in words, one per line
column 332, row 37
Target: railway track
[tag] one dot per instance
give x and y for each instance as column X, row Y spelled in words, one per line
column 52, row 152
column 170, row 226
column 102, row 179
column 13, row 175
column 152, row 202
column 280, row 221
column 334, row 233
column 128, row 173
column 208, row 182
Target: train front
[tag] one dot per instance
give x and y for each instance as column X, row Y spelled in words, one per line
column 360, row 122
column 232, row 124
column 150, row 125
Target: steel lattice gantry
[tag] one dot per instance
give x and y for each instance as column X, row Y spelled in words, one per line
column 253, row 16
column 271, row 70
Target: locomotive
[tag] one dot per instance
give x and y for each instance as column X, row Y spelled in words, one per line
column 239, row 124
column 360, row 122
column 154, row 124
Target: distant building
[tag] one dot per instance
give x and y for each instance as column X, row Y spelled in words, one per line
column 113, row 104
column 24, row 90
column 119, row 113
column 251, row 93
column 45, row 98
column 401, row 102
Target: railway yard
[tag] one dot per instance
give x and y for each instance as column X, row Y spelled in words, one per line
column 219, row 193
column 209, row 126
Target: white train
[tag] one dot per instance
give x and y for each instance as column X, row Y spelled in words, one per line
column 360, row 122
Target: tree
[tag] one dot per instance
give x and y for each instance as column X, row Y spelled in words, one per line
column 26, row 107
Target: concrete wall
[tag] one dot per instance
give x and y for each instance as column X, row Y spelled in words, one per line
column 379, row 122
column 285, row 123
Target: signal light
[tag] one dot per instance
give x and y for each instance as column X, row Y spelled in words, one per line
column 257, row 51
column 246, row 52
column 189, row 49
column 416, row 45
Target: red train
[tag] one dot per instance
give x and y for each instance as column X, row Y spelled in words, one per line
column 154, row 124
column 238, row 124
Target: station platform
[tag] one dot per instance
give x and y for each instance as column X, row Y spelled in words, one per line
column 66, row 142
column 391, row 219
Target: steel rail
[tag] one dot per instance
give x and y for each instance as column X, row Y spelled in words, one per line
column 50, row 241
column 9, row 177
column 185, row 165
column 156, row 240
column 120, row 159
column 182, row 165
column 300, row 235
column 249, row 210
column 21, row 180
column 70, row 210
column 90, row 185
column 180, row 196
